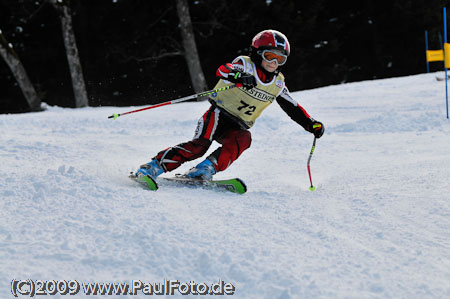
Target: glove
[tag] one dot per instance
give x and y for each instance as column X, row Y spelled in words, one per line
column 317, row 128
column 247, row 80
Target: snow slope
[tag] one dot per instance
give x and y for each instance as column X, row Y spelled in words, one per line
column 378, row 225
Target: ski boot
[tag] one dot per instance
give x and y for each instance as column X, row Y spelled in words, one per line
column 152, row 169
column 148, row 173
column 203, row 171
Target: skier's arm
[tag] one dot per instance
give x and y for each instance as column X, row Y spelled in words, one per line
column 224, row 70
column 234, row 72
column 299, row 114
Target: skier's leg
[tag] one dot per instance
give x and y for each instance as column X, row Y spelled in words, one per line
column 234, row 143
column 172, row 157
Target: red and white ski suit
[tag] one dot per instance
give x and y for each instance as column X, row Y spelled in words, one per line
column 216, row 124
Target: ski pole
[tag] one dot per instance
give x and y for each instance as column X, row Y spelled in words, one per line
column 312, row 188
column 194, row 96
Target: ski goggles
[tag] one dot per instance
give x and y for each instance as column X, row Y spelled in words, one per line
column 270, row 56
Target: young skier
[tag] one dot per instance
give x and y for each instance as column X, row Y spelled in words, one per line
column 259, row 83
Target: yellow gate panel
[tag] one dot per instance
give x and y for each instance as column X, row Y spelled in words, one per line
column 435, row 55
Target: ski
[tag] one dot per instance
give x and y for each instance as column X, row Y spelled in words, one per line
column 234, row 185
column 145, row 181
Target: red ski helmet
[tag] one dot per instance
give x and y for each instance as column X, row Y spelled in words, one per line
column 271, row 40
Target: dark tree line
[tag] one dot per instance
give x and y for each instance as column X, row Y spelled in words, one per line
column 132, row 51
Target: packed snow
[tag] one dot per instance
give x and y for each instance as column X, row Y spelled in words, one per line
column 377, row 226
